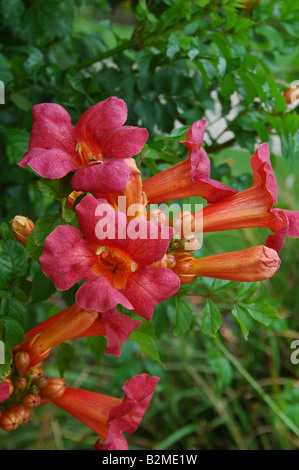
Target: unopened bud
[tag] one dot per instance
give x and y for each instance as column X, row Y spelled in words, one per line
column 182, row 223
column 71, row 199
column 171, row 261
column 31, row 400
column 192, row 243
column 21, row 383
column 22, row 361
column 11, row 387
column 55, row 388
column 9, row 421
column 291, row 95
column 21, row 411
column 22, row 228
column 41, row 382
column 162, row 263
column 160, row 217
column 36, row 372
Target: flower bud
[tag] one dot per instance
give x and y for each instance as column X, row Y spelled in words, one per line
column 31, row 400
column 55, row 388
column 11, row 387
column 36, row 372
column 71, row 199
column 162, row 263
column 21, row 227
column 21, row 361
column 171, row 261
column 9, row 421
column 21, row 383
column 291, row 95
column 182, row 223
column 41, row 382
column 160, row 217
column 21, row 411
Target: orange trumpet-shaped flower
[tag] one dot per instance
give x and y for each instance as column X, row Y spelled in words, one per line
column 249, row 265
column 109, row 416
column 188, row 178
column 75, row 322
column 253, row 207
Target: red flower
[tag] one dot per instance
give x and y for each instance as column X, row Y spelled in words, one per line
column 4, row 391
column 109, row 416
column 188, row 178
column 75, row 322
column 115, row 265
column 94, row 149
column 254, row 206
column 249, row 265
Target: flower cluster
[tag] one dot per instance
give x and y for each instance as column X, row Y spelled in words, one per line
column 125, row 253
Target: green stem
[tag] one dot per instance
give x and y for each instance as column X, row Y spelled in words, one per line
column 289, row 423
column 136, row 43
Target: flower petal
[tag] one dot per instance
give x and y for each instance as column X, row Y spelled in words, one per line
column 98, row 294
column 51, row 163
column 66, row 258
column 102, row 177
column 128, row 415
column 149, row 286
column 101, row 117
column 92, row 212
column 4, row 391
column 122, row 142
column 261, row 158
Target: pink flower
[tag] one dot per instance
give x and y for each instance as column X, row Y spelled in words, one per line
column 109, row 416
column 94, row 149
column 254, row 207
column 4, row 391
column 190, row 177
column 115, row 263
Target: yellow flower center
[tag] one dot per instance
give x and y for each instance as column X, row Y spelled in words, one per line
column 115, row 265
column 86, row 156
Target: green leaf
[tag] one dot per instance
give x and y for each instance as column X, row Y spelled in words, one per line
column 56, row 189
column 15, row 310
column 145, row 333
column 13, row 261
column 212, row 319
column 97, row 345
column 183, row 317
column 247, row 289
column 65, row 356
column 43, row 287
column 263, row 313
column 44, row 226
column 243, row 319
column 16, row 143
column 14, row 333
column 151, row 350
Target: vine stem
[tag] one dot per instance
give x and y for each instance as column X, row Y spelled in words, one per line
column 234, row 361
column 137, row 42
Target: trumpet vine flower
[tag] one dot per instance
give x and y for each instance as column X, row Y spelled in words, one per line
column 249, row 265
column 75, row 322
column 254, row 207
column 188, row 178
column 109, row 416
column 94, row 149
column 114, row 262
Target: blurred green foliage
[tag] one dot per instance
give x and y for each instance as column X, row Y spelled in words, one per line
column 173, row 62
